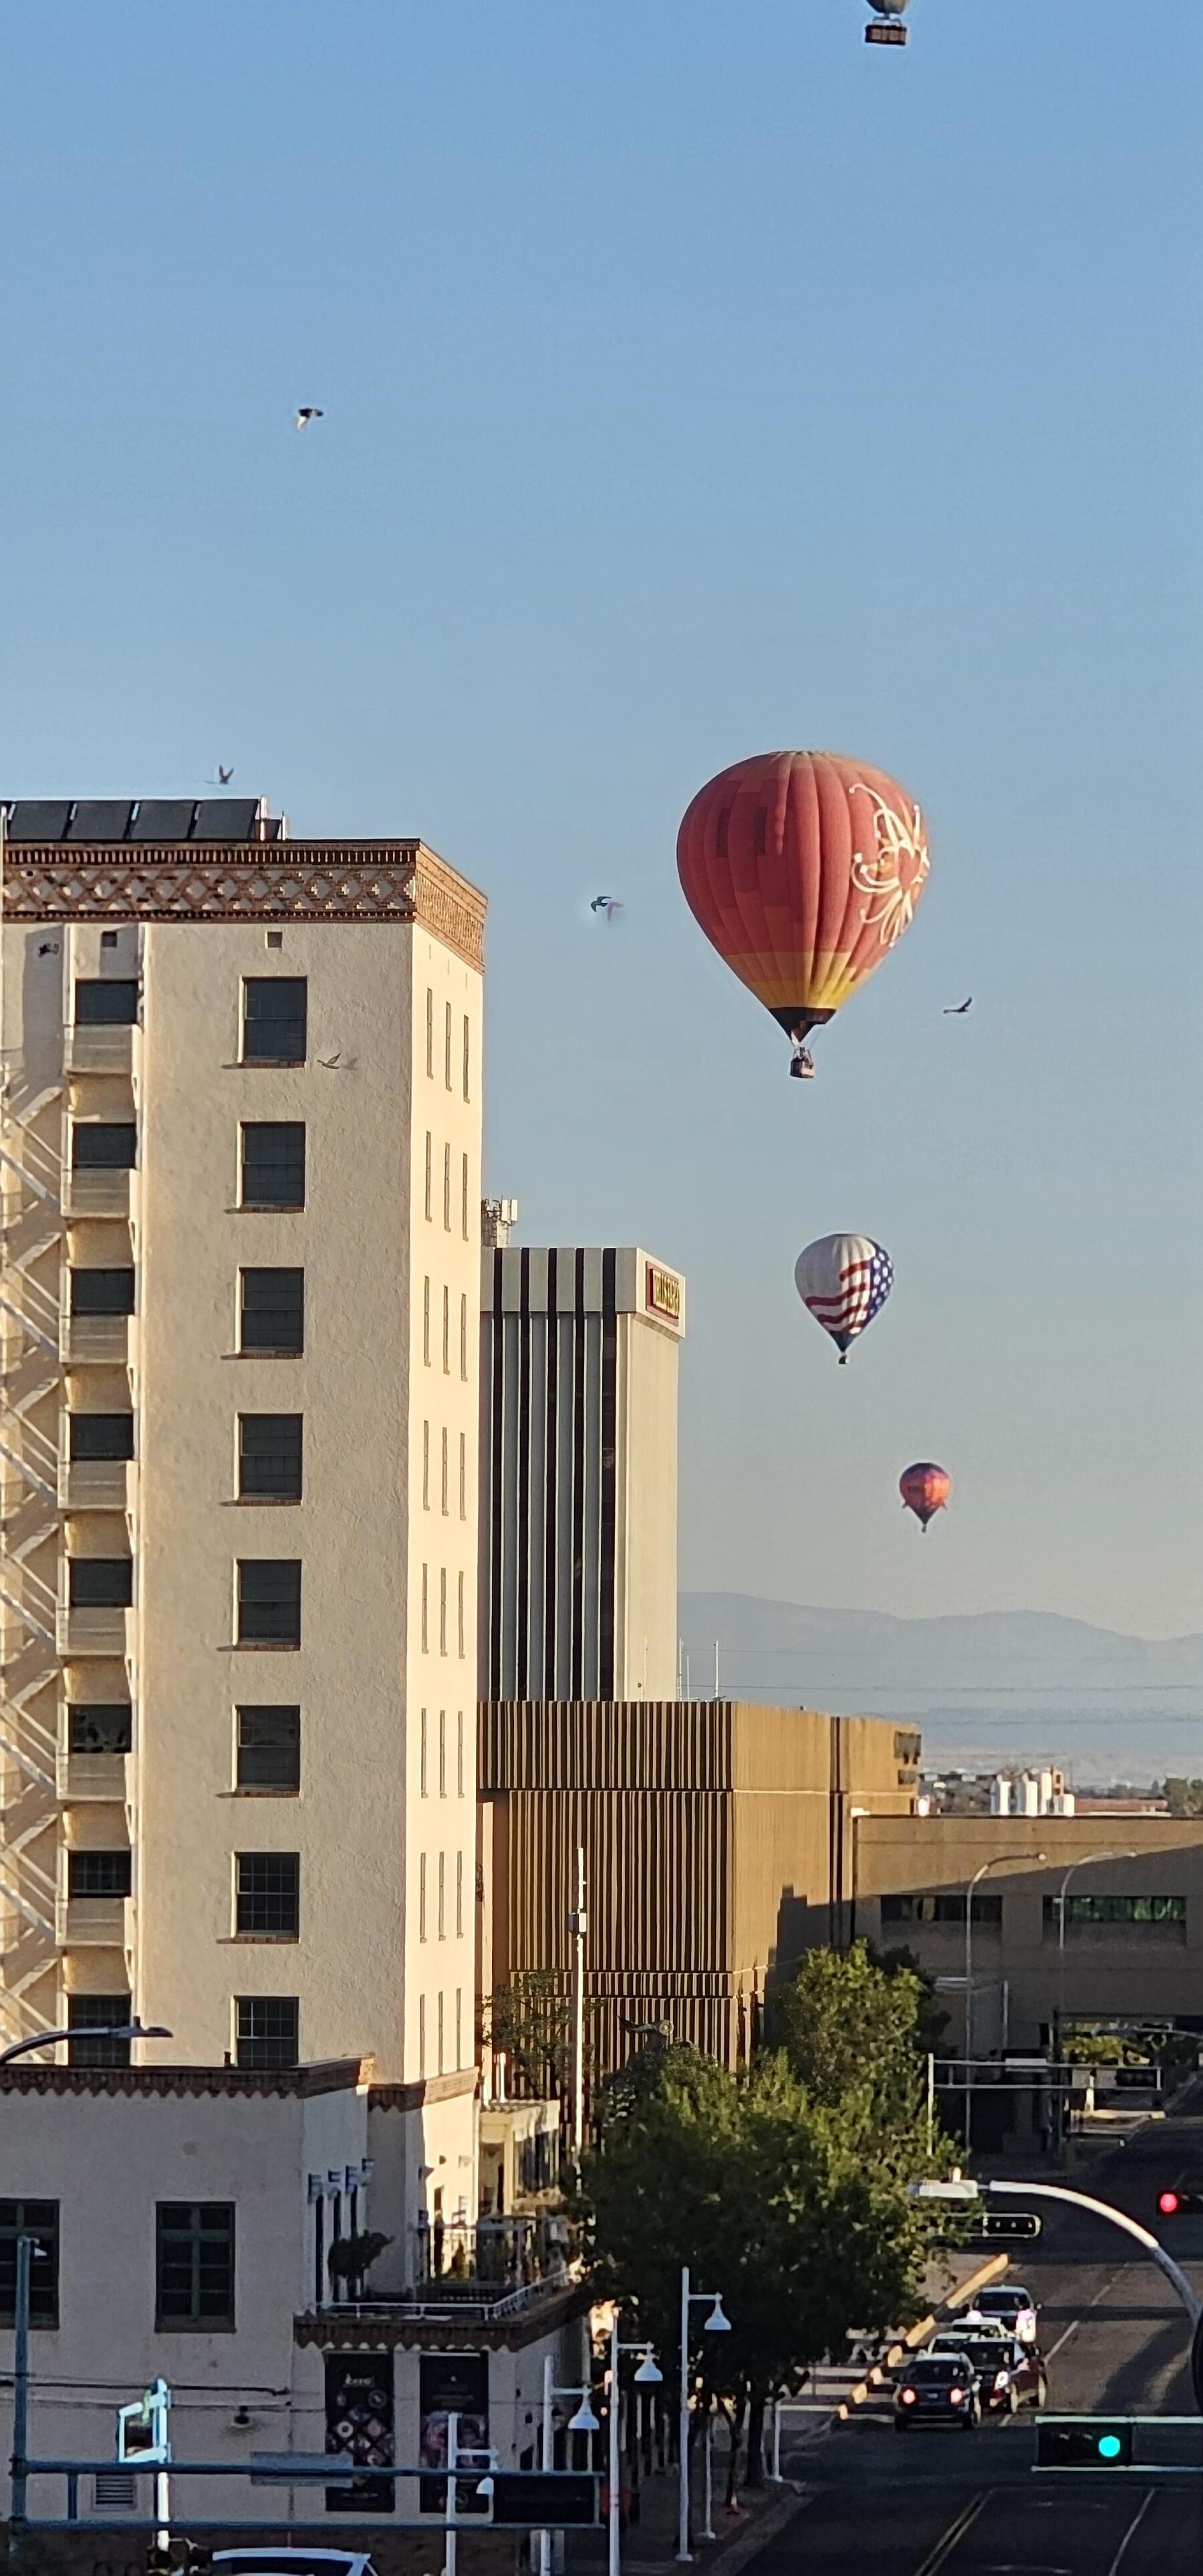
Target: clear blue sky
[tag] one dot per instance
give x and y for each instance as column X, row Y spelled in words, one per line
column 696, row 381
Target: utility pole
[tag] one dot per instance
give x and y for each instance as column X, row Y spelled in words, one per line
column 18, row 2519
column 578, row 1926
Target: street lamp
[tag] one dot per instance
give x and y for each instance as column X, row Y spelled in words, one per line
column 715, row 2323
column 584, row 2421
column 50, row 2038
column 1087, row 1861
column 648, row 2375
column 996, row 1862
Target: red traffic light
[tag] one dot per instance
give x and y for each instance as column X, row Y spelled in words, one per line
column 1179, row 2204
column 1167, row 2202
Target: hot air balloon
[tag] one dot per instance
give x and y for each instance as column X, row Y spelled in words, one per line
column 844, row 1280
column 925, row 1489
column 885, row 27
column 804, row 869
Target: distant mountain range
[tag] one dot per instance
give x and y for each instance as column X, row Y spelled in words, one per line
column 1005, row 1686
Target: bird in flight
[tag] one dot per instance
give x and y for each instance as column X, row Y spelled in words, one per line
column 308, row 412
column 956, row 1010
column 607, row 904
column 223, row 776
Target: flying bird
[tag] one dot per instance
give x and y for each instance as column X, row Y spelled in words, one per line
column 957, row 1010
column 308, row 412
column 331, row 1063
column 223, row 777
column 607, row 904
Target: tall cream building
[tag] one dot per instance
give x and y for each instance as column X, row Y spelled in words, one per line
column 239, row 1349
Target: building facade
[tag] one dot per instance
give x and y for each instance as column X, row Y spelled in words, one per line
column 240, row 1142
column 578, row 1474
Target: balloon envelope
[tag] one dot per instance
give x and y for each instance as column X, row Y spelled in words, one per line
column 844, row 1280
column 804, row 869
column 925, row 1489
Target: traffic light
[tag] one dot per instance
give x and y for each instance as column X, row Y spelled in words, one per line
column 1177, row 2204
column 1104, row 2442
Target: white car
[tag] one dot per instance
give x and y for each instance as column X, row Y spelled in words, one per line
column 1013, row 2307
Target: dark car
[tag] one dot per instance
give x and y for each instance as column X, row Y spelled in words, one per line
column 938, row 2388
column 1009, row 2374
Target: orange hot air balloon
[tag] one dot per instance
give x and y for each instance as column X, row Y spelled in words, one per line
column 803, row 868
column 925, row 1489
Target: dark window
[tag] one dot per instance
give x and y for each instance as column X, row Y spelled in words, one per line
column 194, row 2263
column 98, row 1873
column 1141, row 1910
column 269, row 1457
column 267, row 2030
column 100, row 1582
column 106, row 1002
column 273, row 1019
column 100, row 1726
column 102, row 1292
column 273, row 1311
column 269, row 1601
column 949, row 1908
column 104, row 1145
column 268, row 1893
column 269, row 1748
column 101, row 1435
column 88, row 2016
column 34, row 2218
column 273, row 1163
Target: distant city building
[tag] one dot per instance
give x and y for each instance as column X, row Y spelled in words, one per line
column 578, row 1472
column 1030, row 1793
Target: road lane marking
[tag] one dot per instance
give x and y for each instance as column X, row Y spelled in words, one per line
column 1108, row 2284
column 956, row 2531
column 1133, row 2528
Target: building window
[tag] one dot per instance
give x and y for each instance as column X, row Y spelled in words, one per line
column 106, row 1001
column 267, row 1895
column 98, row 1873
column 429, row 1169
column 459, row 1909
column 447, row 1188
column 421, row 1896
column 446, row 1332
column 442, row 1753
column 442, row 1896
column 459, row 1612
column 426, row 1321
column 430, row 1031
column 100, row 1582
column 267, row 2030
column 272, row 1316
column 446, row 1471
column 463, row 1475
column 100, row 1727
column 467, row 1053
column 104, row 1145
column 421, row 2034
column 273, row 1163
column 1157, row 1913
column 422, row 1755
column 269, row 1457
column 948, row 1908
column 274, row 1014
column 269, row 1601
column 194, row 2265
column 442, row 1610
column 108, row 939
column 426, row 1466
column 464, row 1200
column 425, row 1609
column 100, row 1435
column 439, row 2022
column 268, row 1749
column 459, row 2026
column 88, row 2018
column 102, row 1292
column 459, row 1754
column 447, row 1048
column 37, row 2218
column 463, row 1337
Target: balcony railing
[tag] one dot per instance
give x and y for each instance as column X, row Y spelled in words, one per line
column 99, row 1050
column 96, row 1484
column 91, row 1775
column 93, row 1194
column 503, row 2254
column 91, row 1922
column 100, row 1341
column 90, row 1631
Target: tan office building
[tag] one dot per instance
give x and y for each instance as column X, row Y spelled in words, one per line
column 239, row 1402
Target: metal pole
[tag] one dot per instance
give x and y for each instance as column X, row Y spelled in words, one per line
column 614, row 2535
column 931, row 2102
column 775, row 2472
column 683, row 2549
column 163, row 2508
column 1118, row 2218
column 578, row 1925
column 548, row 2459
column 17, row 2519
column 709, row 2531
column 452, row 2457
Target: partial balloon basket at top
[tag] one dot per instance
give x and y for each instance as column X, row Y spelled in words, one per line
column 804, row 869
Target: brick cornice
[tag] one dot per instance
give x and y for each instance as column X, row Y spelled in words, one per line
column 414, row 2097
column 227, row 2083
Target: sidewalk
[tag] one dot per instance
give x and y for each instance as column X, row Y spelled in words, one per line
column 649, row 2545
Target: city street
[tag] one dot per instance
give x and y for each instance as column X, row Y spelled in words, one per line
column 1116, row 2339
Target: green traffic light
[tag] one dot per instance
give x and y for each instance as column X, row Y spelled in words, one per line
column 1110, row 2446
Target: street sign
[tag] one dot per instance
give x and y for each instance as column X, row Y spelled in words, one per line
column 551, row 2500
column 142, row 2433
column 944, row 2191
column 1081, row 2442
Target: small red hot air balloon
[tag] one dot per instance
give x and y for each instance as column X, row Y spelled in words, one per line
column 925, row 1489
column 804, row 869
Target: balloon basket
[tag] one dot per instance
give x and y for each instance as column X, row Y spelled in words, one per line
column 885, row 35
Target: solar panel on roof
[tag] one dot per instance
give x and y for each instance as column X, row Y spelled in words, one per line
column 163, row 818
column 100, row 818
column 38, row 819
column 227, row 818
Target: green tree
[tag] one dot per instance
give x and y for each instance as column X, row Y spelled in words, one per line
column 1184, row 1797
column 855, row 2036
column 765, row 2192
column 528, row 2020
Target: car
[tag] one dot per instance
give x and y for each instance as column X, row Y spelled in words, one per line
column 1009, row 2374
column 1014, row 2305
column 938, row 2388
